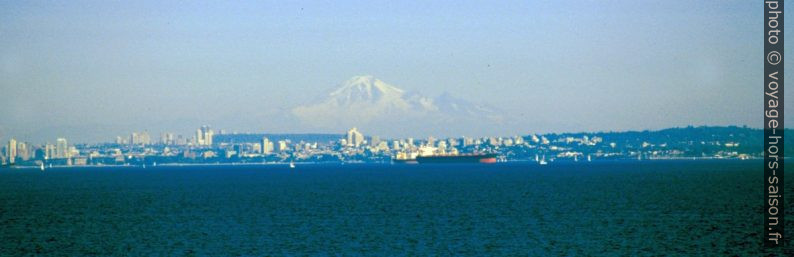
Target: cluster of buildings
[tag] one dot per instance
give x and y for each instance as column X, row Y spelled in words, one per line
column 16, row 151
column 354, row 146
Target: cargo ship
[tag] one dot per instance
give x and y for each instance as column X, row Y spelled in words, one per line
column 461, row 158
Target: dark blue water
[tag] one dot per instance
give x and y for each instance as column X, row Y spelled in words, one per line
column 600, row 208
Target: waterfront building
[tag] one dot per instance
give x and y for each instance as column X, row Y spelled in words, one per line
column 49, row 151
column 22, row 151
column 198, row 140
column 11, row 149
column 354, row 138
column 267, row 146
column 61, row 148
column 204, row 136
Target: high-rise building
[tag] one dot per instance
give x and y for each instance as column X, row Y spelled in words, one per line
column 49, row 151
column 267, row 146
column 354, row 138
column 167, row 138
column 22, row 151
column 142, row 138
column 133, row 138
column 204, row 135
column 11, row 151
column 61, row 148
column 208, row 137
column 199, row 141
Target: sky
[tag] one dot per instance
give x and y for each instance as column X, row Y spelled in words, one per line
column 92, row 70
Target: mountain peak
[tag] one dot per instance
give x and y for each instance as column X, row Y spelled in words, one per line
column 361, row 79
column 365, row 88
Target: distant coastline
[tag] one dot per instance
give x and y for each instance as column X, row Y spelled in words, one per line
column 210, row 148
column 366, row 163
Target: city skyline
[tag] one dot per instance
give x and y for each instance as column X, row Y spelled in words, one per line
column 354, row 146
column 90, row 71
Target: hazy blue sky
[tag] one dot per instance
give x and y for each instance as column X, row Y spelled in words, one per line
column 92, row 70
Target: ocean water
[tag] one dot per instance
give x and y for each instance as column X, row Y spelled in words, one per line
column 660, row 208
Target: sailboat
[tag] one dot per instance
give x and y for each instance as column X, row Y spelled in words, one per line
column 291, row 165
column 41, row 166
column 543, row 161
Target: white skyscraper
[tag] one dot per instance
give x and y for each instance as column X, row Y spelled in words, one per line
column 267, row 146
column 354, row 138
column 11, row 150
column 204, row 135
column 61, row 148
column 49, row 151
column 208, row 137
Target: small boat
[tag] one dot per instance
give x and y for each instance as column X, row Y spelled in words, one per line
column 291, row 165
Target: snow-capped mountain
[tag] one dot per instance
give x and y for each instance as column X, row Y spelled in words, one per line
column 366, row 101
column 367, row 91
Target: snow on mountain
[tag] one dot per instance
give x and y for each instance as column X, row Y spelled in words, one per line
column 366, row 100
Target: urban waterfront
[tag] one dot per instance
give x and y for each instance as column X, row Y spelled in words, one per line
column 210, row 147
column 627, row 207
